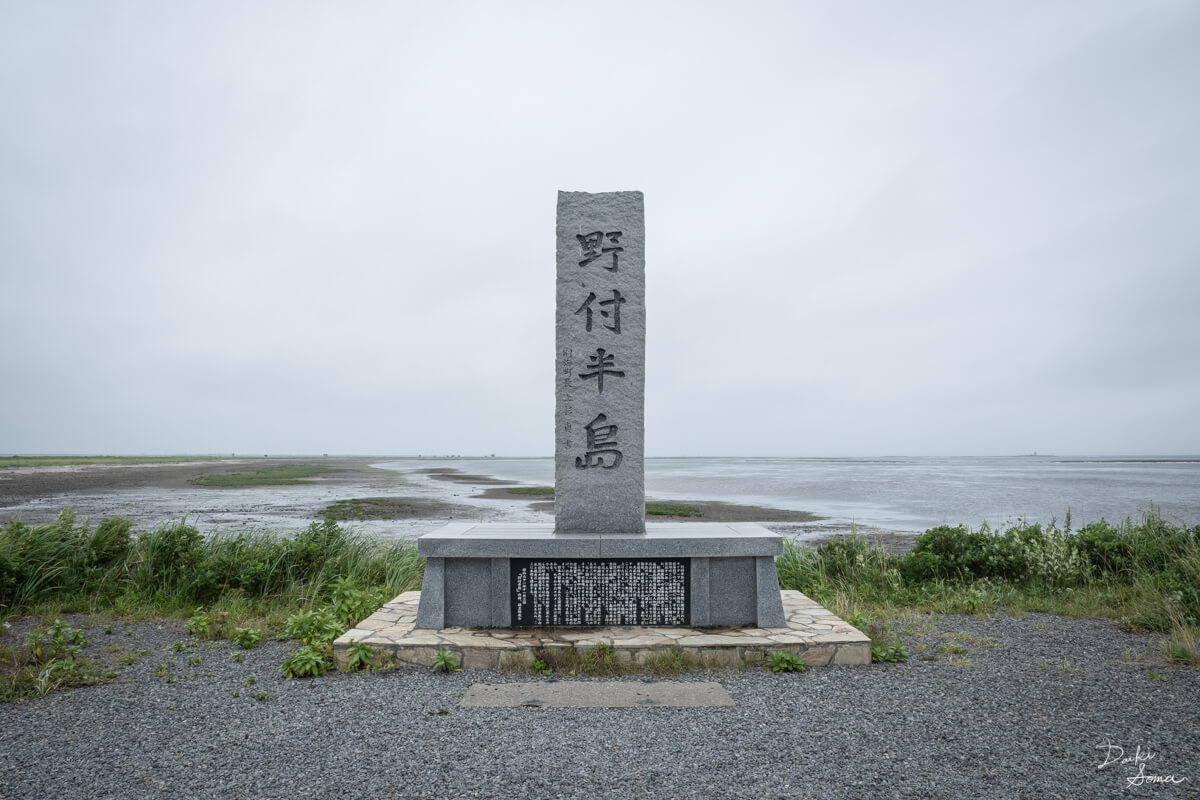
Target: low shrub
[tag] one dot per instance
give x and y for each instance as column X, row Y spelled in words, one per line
column 315, row 626
column 1145, row 574
column 247, row 638
column 308, row 662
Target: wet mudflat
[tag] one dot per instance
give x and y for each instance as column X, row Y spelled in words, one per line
column 391, row 501
column 155, row 493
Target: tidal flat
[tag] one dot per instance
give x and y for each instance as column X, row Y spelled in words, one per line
column 289, row 493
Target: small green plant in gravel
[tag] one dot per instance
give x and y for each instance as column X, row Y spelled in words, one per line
column 783, row 661
column 262, row 696
column 131, row 657
column 1157, row 676
column 308, row 662
column 46, row 681
column 889, row 653
column 59, row 641
column 361, row 656
column 251, row 680
column 237, row 658
column 445, row 661
column 247, row 638
column 539, row 665
column 199, row 623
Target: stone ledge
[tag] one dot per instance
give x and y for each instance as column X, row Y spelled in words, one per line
column 661, row 540
column 828, row 642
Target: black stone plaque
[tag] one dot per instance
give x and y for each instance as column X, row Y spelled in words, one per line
column 590, row 592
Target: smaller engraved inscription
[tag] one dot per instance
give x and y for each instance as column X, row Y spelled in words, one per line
column 589, row 592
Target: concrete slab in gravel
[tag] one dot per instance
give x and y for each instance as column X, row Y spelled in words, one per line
column 609, row 694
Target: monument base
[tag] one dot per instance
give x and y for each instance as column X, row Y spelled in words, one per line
column 676, row 574
column 813, row 633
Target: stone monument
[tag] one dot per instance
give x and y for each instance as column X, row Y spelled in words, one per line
column 600, row 564
column 600, row 338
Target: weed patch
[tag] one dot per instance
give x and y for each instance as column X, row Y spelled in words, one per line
column 308, row 662
column 49, row 660
column 361, row 656
column 284, row 475
column 247, row 638
column 445, row 661
column 363, row 508
column 783, row 661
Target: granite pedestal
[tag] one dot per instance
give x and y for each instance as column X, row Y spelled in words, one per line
column 705, row 574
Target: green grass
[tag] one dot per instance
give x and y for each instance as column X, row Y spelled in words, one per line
column 541, row 491
column 672, row 510
column 254, row 576
column 224, row 584
column 1145, row 576
column 67, row 461
column 284, row 475
column 369, row 508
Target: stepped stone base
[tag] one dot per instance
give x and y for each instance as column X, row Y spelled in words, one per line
column 528, row 575
column 813, row 633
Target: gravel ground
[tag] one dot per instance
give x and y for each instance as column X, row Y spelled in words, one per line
column 1026, row 712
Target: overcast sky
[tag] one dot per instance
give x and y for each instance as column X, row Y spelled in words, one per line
column 872, row 228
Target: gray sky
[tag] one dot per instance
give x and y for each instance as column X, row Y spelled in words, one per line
column 872, row 228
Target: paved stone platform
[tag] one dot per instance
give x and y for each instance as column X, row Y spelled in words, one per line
column 813, row 633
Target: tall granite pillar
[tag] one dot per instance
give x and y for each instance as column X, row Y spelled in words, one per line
column 601, row 357
column 600, row 563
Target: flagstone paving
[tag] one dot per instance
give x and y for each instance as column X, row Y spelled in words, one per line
column 813, row 633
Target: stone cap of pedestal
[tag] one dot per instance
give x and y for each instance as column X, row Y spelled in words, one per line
column 661, row 540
